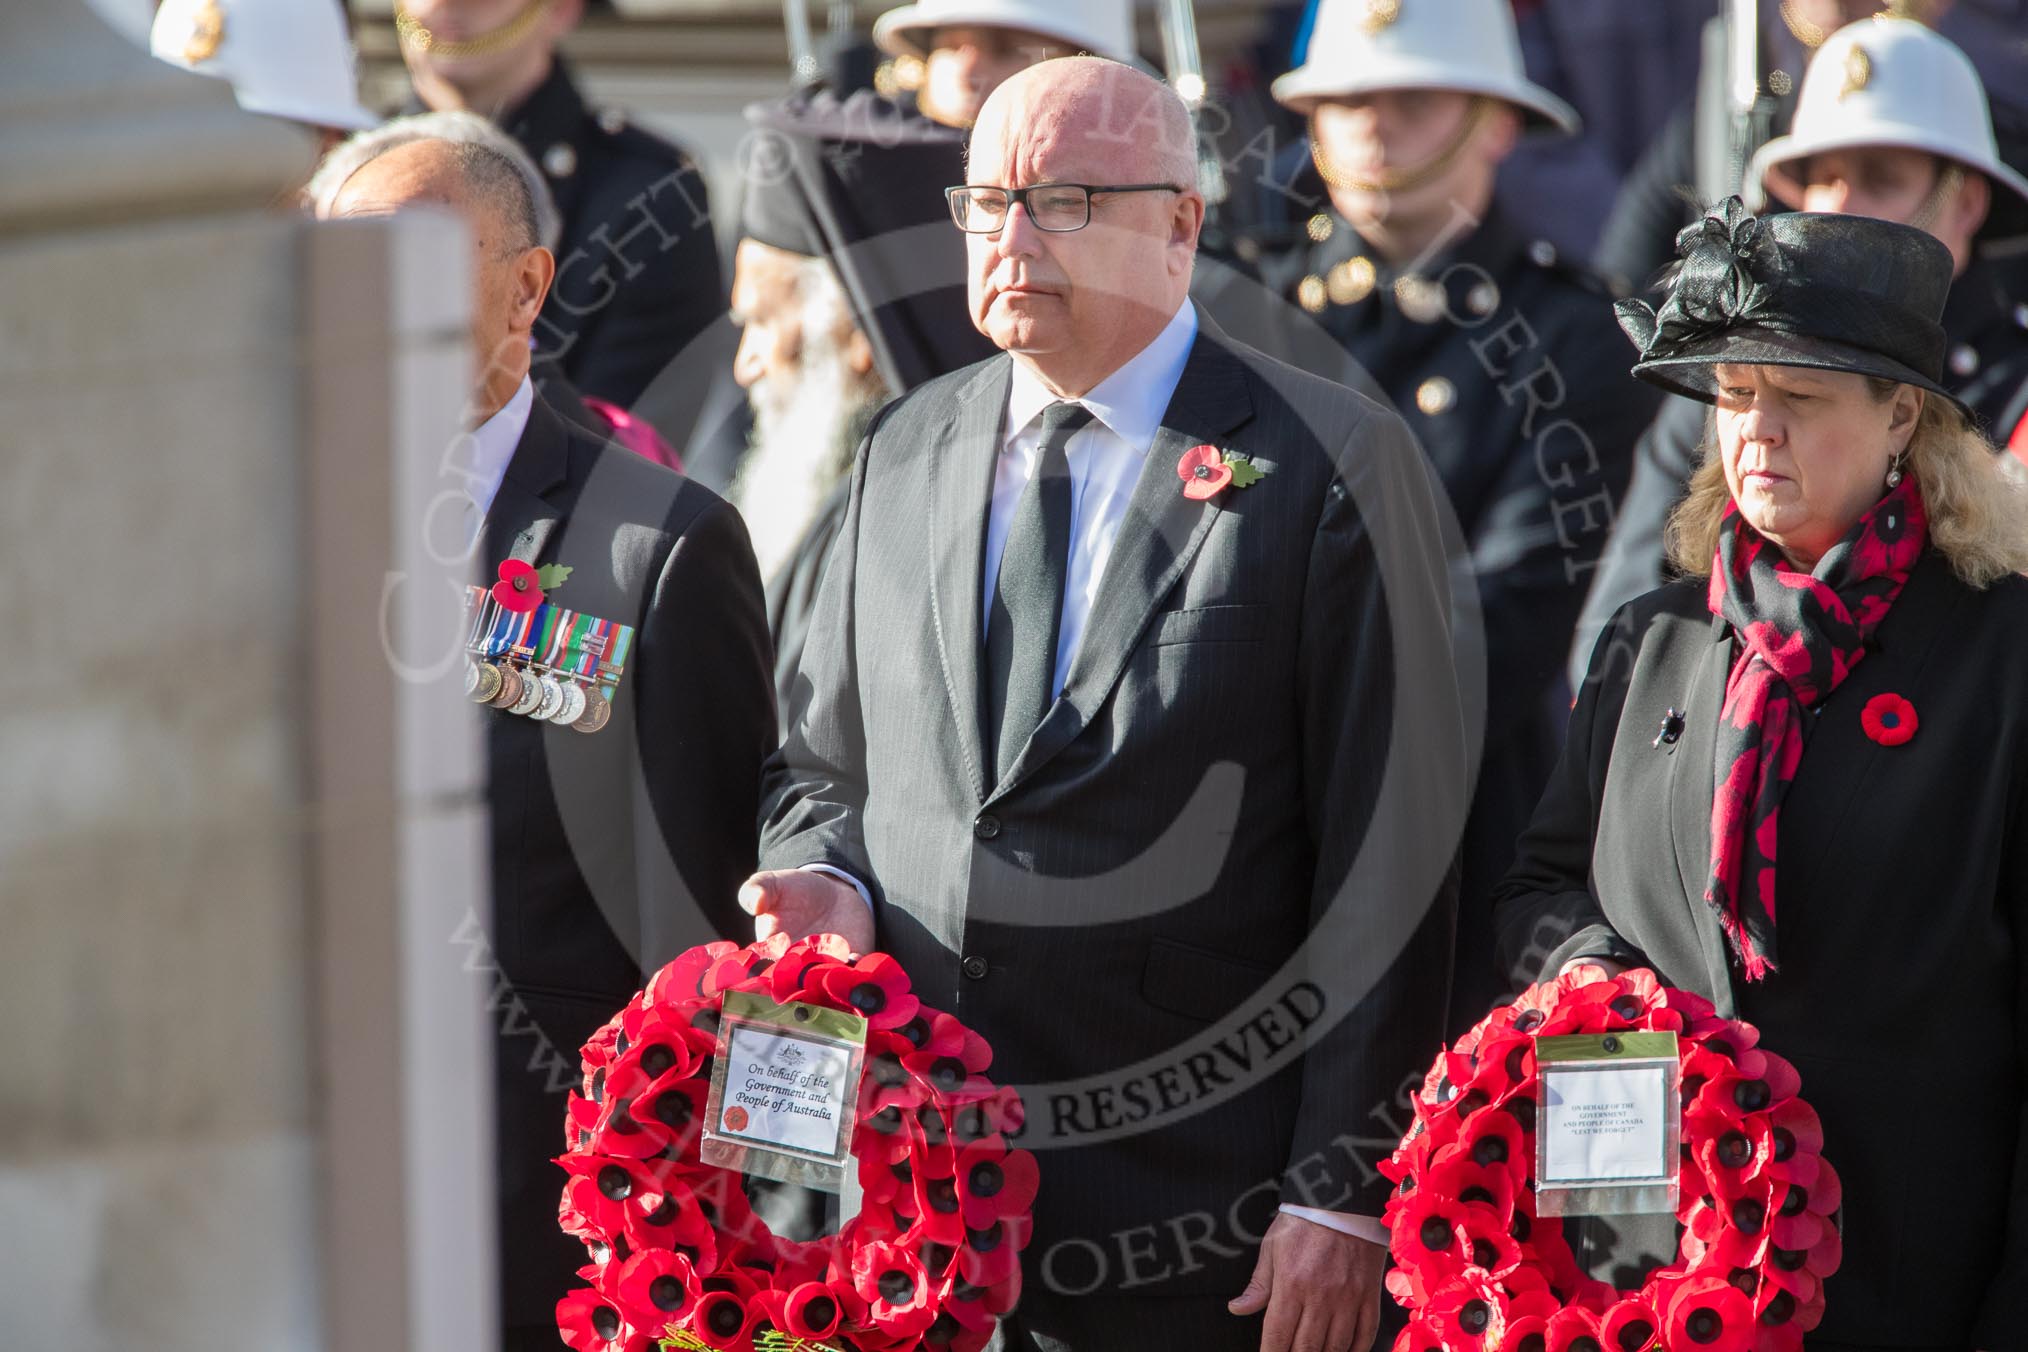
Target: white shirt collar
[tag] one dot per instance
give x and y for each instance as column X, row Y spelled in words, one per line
column 1130, row 401
column 493, row 444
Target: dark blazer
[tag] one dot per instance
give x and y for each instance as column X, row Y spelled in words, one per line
column 1901, row 907
column 620, row 848
column 1180, row 821
column 1518, row 394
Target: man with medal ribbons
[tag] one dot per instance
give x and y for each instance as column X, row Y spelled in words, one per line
column 608, row 595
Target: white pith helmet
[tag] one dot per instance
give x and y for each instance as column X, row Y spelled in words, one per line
column 1371, row 46
column 285, row 58
column 1890, row 82
column 1101, row 27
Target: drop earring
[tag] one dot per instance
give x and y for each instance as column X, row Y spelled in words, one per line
column 1894, row 473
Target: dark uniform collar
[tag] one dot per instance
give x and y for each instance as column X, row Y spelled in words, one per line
column 1493, row 245
column 553, row 110
column 1976, row 302
column 1461, row 276
column 551, row 125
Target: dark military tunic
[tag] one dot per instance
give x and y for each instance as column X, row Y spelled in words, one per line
column 1509, row 366
column 637, row 275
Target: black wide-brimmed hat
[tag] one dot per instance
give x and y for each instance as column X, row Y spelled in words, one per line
column 1823, row 290
column 860, row 181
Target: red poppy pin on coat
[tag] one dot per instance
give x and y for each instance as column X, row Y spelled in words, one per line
column 523, row 586
column 1207, row 471
column 1888, row 719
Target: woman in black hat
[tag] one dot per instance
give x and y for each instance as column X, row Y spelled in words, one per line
column 1797, row 781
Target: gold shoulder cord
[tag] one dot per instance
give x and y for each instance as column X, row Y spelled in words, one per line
column 508, row 34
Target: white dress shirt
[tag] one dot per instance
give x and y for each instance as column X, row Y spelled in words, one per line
column 1105, row 462
column 1105, row 459
column 492, row 445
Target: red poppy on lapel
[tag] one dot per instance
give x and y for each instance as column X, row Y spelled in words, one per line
column 1207, row 471
column 517, row 590
column 1203, row 472
column 521, row 586
column 1888, row 719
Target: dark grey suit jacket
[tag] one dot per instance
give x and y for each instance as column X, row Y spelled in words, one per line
column 1901, row 905
column 1262, row 712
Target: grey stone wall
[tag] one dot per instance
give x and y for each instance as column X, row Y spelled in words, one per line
column 242, row 1067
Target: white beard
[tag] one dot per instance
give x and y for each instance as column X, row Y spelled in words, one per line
column 805, row 429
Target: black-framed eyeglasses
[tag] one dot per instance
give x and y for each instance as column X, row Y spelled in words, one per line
column 1056, row 207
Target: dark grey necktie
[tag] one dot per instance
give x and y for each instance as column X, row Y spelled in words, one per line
column 1028, row 595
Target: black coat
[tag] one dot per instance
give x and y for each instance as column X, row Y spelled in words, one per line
column 1517, row 390
column 1901, row 905
column 1156, row 861
column 637, row 274
column 620, row 848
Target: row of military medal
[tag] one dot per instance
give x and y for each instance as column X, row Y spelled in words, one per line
column 545, row 662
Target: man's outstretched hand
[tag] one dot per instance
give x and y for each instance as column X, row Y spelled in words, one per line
column 799, row 903
column 1321, row 1289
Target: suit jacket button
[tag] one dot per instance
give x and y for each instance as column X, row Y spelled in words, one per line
column 986, row 827
column 975, row 967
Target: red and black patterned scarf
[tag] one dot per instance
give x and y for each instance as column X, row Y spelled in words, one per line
column 1800, row 635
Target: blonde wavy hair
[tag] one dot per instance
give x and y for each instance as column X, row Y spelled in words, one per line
column 1977, row 499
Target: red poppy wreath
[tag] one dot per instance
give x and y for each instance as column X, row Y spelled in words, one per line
column 1479, row 1272
column 679, row 1259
